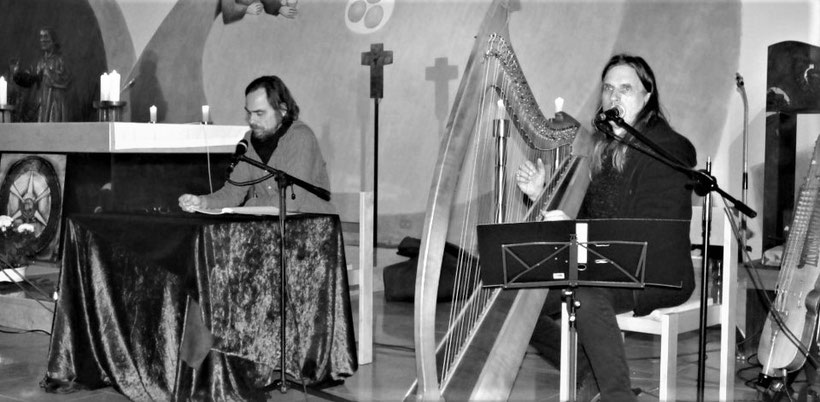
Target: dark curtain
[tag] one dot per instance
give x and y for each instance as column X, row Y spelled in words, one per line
column 128, row 282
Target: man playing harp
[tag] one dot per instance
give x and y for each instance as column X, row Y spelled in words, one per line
column 626, row 183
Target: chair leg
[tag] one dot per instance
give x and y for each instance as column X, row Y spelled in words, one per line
column 669, row 356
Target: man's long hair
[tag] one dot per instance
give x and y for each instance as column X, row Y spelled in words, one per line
column 278, row 94
column 648, row 116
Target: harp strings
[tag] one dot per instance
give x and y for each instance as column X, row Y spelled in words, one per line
column 477, row 189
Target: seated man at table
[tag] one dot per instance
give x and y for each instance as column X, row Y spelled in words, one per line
column 280, row 140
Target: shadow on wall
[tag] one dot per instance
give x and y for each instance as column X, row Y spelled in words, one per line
column 172, row 62
column 147, row 91
column 80, row 39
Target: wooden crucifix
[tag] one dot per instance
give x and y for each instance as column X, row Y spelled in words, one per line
column 376, row 58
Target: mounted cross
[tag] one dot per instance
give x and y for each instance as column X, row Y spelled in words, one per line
column 377, row 58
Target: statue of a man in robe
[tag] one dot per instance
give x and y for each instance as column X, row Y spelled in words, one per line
column 50, row 79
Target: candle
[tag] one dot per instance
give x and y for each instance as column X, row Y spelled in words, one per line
column 153, row 112
column 3, row 89
column 104, row 87
column 206, row 118
column 114, row 86
column 559, row 105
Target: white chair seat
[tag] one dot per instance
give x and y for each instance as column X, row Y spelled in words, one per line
column 668, row 323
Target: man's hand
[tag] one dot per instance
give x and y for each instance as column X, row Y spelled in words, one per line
column 189, row 202
column 288, row 12
column 555, row 215
column 531, row 178
column 254, row 8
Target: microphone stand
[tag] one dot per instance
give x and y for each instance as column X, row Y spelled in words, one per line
column 283, row 181
column 705, row 184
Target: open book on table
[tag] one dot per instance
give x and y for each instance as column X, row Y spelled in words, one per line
column 260, row 210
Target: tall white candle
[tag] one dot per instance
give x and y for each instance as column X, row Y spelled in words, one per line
column 104, row 87
column 153, row 111
column 3, row 88
column 114, row 86
column 206, row 114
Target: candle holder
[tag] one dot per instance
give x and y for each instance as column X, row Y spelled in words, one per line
column 206, row 122
column 109, row 111
column 5, row 113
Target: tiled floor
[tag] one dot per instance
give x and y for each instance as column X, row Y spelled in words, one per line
column 23, row 363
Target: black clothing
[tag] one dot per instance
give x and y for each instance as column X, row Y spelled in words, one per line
column 646, row 188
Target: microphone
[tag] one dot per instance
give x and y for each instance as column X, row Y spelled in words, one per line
column 616, row 112
column 241, row 148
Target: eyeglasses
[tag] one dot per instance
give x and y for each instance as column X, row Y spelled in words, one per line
column 623, row 90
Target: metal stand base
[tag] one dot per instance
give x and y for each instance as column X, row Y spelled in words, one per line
column 569, row 347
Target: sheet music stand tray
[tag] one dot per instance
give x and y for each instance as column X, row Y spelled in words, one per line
column 567, row 255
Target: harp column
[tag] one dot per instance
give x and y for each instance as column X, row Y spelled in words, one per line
column 501, row 132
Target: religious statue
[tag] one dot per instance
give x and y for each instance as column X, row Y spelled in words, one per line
column 235, row 10
column 16, row 96
column 50, row 79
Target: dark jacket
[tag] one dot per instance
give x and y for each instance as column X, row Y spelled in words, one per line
column 652, row 190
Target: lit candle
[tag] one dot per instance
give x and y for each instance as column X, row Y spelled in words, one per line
column 104, row 87
column 3, row 89
column 206, row 114
column 559, row 105
column 114, row 86
column 153, row 112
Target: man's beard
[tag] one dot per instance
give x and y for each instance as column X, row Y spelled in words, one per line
column 260, row 133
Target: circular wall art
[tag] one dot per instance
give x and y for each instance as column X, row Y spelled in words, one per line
column 367, row 16
column 31, row 193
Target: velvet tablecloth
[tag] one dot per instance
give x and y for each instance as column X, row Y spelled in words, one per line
column 128, row 281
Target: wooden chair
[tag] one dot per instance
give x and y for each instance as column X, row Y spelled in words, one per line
column 670, row 322
column 356, row 214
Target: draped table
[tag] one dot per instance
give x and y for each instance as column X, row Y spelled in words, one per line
column 187, row 307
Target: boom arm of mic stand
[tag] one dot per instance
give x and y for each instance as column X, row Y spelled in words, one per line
column 318, row 191
column 705, row 182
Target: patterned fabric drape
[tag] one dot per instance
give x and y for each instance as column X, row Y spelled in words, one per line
column 124, row 293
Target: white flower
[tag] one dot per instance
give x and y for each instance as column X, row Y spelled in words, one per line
column 25, row 227
column 5, row 222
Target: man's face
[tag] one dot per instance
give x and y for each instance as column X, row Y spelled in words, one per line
column 262, row 118
column 46, row 42
column 622, row 86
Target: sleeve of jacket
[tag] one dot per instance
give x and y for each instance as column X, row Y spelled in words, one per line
column 659, row 190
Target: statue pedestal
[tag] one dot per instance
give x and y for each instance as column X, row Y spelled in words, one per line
column 5, row 113
column 109, row 111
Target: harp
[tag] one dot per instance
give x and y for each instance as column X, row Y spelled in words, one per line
column 495, row 124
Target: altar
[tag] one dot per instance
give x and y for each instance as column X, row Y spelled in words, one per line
column 119, row 167
column 51, row 170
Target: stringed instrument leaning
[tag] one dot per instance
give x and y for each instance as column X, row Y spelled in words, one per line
column 792, row 321
column 494, row 126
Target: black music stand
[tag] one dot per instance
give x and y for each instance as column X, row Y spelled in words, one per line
column 283, row 181
column 537, row 255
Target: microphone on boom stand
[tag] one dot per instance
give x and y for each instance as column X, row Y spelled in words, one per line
column 241, row 149
column 614, row 113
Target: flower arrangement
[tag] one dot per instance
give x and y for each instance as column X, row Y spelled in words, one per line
column 19, row 240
